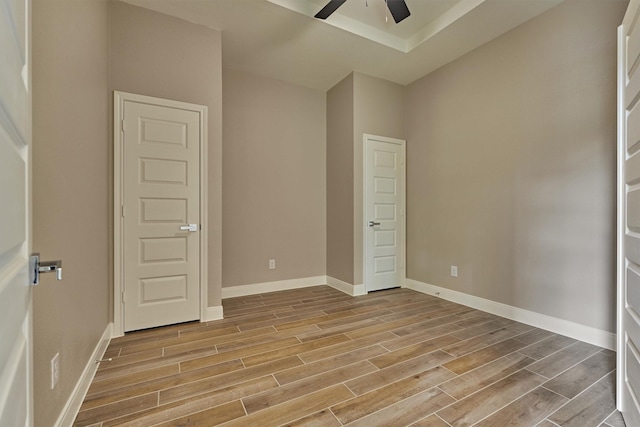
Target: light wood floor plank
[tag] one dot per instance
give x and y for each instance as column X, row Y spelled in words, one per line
column 195, row 388
column 323, row 333
column 181, row 408
column 383, row 397
column 430, row 421
column 481, row 357
column 94, row 399
column 306, row 386
column 406, row 411
column 397, row 372
column 451, row 321
column 412, row 351
column 243, row 342
column 546, row 347
column 591, row 407
column 529, row 410
column 583, row 375
column 193, row 343
column 554, row 364
column 324, row 365
column 159, row 363
column 534, row 336
column 477, row 379
column 213, row 416
column 474, row 408
column 615, row 420
column 465, row 347
column 117, row 409
column 133, row 378
column 319, row 344
column 344, row 347
column 324, row 418
column 479, row 327
column 418, row 337
column 294, row 409
column 235, row 354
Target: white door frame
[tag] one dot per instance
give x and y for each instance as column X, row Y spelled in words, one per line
column 402, row 223
column 627, row 246
column 119, row 99
column 621, row 221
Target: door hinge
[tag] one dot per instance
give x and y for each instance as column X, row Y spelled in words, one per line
column 123, row 127
column 123, row 297
column 122, row 210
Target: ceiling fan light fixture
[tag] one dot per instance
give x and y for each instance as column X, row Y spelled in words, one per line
column 329, row 8
column 398, row 9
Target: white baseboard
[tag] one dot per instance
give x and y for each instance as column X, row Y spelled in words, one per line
column 347, row 288
column 281, row 285
column 212, row 313
column 559, row 326
column 71, row 408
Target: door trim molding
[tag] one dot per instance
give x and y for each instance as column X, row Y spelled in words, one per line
column 403, row 217
column 119, row 98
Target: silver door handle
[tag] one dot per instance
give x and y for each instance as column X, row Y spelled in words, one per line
column 372, row 223
column 190, row 227
column 38, row 267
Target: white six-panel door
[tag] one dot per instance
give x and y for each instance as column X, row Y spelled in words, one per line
column 384, row 207
column 15, row 292
column 629, row 216
column 160, row 212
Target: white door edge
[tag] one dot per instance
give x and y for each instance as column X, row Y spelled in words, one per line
column 119, row 98
column 403, row 221
column 628, row 326
column 620, row 268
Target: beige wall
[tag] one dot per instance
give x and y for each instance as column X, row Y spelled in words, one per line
column 70, row 192
column 378, row 110
column 158, row 55
column 340, row 181
column 511, row 167
column 273, row 180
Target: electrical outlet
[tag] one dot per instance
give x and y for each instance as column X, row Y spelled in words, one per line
column 55, row 370
column 454, row 271
column 272, row 264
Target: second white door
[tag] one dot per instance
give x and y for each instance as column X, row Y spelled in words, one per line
column 384, row 206
column 160, row 213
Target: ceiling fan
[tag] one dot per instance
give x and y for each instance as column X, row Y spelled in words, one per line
column 398, row 9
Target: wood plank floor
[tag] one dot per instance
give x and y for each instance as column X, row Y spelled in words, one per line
column 317, row 357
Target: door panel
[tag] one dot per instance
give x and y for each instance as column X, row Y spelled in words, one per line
column 384, row 206
column 15, row 292
column 161, row 187
column 163, row 250
column 629, row 217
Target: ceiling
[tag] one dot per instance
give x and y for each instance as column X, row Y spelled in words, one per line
column 281, row 39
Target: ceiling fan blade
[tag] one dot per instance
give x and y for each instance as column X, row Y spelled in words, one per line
column 329, row 9
column 398, row 9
